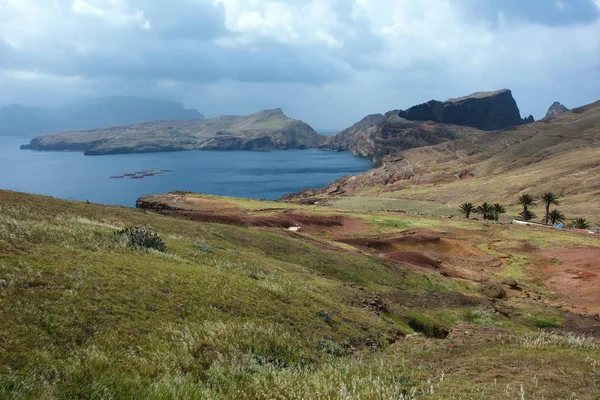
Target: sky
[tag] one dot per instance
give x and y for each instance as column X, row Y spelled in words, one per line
column 327, row 62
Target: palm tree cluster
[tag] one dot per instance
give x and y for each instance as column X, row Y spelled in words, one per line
column 492, row 212
column 553, row 217
column 488, row 211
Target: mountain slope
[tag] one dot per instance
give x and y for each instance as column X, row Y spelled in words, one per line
column 90, row 113
column 560, row 155
column 266, row 130
column 357, row 139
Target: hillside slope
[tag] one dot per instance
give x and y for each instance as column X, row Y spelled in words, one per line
column 558, row 154
column 90, row 113
column 360, row 306
column 266, row 130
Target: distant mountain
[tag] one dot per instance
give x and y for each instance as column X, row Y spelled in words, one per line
column 266, row 130
column 428, row 124
column 556, row 109
column 89, row 113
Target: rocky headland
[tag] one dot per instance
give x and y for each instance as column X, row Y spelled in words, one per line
column 266, row 130
column 432, row 123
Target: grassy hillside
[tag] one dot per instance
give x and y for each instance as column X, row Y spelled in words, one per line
column 259, row 312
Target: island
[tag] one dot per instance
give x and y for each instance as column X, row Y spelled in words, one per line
column 266, row 130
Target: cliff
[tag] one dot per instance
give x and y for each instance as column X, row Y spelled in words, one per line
column 428, row 124
column 357, row 139
column 377, row 136
column 487, row 111
column 266, row 130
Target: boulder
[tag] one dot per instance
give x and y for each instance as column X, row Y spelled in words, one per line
column 510, row 282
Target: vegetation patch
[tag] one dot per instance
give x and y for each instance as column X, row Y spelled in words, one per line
column 142, row 237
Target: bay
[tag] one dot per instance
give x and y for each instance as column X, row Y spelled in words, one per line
column 261, row 175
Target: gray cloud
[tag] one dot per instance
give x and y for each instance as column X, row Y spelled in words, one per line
column 329, row 62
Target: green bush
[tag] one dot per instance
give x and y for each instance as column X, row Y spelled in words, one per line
column 330, row 347
column 142, row 237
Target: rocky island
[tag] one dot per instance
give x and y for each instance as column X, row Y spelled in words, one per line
column 266, row 130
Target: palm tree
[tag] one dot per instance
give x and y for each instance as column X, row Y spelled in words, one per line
column 556, row 217
column 486, row 210
column 549, row 199
column 527, row 200
column 498, row 209
column 467, row 209
column 527, row 215
column 581, row 223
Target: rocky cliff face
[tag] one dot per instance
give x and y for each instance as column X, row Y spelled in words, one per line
column 358, row 139
column 487, row 111
column 428, row 124
column 392, row 134
column 555, row 110
column 266, row 130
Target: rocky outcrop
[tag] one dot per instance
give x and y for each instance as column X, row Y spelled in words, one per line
column 555, row 110
column 358, row 139
column 266, row 130
column 392, row 134
column 428, row 124
column 487, row 111
column 395, row 134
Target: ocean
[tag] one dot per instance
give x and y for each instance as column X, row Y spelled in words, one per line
column 261, row 175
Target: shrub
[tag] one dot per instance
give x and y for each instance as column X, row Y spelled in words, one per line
column 581, row 223
column 325, row 315
column 142, row 237
column 330, row 347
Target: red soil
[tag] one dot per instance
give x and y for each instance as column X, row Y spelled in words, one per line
column 414, row 258
column 575, row 274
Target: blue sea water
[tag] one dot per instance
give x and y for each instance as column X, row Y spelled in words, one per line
column 262, row 175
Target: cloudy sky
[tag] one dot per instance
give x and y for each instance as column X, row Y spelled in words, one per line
column 328, row 62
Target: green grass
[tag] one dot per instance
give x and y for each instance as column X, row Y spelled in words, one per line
column 225, row 313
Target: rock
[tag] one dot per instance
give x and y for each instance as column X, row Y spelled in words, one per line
column 511, row 283
column 375, row 303
column 555, row 110
column 493, row 292
column 488, row 111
